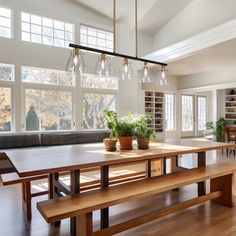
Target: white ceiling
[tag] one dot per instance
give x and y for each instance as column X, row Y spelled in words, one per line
column 152, row 14
column 219, row 57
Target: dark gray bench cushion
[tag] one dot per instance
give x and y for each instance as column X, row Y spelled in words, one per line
column 51, row 139
column 19, row 141
column 92, row 137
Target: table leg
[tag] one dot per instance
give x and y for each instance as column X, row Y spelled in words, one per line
column 104, row 184
column 74, row 188
column 201, row 160
column 148, row 169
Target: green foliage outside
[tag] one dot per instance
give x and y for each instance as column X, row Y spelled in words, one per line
column 32, row 120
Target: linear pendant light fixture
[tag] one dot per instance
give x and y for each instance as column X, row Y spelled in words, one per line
column 103, row 68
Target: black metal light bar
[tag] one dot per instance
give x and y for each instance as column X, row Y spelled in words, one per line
column 116, row 54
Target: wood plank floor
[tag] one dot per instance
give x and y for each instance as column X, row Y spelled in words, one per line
column 206, row 219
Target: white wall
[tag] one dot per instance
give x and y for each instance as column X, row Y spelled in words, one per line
column 198, row 16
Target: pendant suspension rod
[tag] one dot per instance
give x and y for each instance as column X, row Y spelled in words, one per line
column 136, row 28
column 114, row 26
column 116, row 54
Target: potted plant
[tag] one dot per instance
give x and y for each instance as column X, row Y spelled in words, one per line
column 111, row 123
column 143, row 132
column 125, row 132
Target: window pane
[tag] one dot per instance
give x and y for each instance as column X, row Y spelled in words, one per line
column 4, row 32
column 5, row 22
column 5, row 12
column 65, row 110
column 32, row 108
column 47, row 22
column 93, row 106
column 36, row 20
column 5, row 109
column 48, row 110
column 57, row 33
column 93, row 81
column 26, row 27
column 6, row 72
column 202, row 105
column 187, row 113
column 36, row 29
column 170, row 111
column 25, row 17
column 26, row 36
column 47, row 76
column 93, row 37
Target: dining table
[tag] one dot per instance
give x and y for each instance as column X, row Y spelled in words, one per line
column 74, row 158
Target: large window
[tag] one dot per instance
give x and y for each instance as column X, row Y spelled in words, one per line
column 96, row 38
column 169, row 112
column 48, row 99
column 6, row 88
column 42, row 30
column 5, row 23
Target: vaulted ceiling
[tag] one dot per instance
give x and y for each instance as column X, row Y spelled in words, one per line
column 152, row 14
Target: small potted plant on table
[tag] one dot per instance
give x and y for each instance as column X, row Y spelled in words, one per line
column 143, row 132
column 111, row 123
column 125, row 132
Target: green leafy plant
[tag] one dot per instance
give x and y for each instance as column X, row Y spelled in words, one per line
column 141, row 127
column 220, row 125
column 125, row 127
column 111, row 122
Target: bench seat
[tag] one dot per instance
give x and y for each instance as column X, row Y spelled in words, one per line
column 81, row 204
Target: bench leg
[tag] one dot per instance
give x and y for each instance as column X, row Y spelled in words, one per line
column 224, row 184
column 84, row 224
column 26, row 199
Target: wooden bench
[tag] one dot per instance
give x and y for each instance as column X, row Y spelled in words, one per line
column 27, row 195
column 82, row 205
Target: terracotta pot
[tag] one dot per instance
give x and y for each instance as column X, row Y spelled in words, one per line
column 143, row 143
column 110, row 144
column 126, row 142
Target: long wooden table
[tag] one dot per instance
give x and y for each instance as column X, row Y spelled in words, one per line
column 73, row 158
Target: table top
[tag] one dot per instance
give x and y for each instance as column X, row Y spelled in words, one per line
column 44, row 160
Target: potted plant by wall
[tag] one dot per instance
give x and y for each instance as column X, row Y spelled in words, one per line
column 111, row 123
column 125, row 132
column 143, row 132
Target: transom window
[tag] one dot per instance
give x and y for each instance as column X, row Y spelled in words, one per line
column 169, row 111
column 5, row 23
column 47, row 76
column 96, row 38
column 42, row 30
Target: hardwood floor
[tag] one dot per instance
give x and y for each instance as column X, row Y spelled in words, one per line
column 208, row 219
